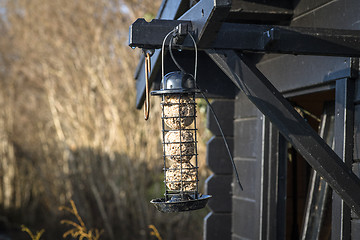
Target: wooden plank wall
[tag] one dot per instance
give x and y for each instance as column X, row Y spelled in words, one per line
column 217, row 224
column 341, row 14
column 295, row 75
column 303, row 72
column 355, row 222
column 248, row 156
column 260, row 157
column 292, row 75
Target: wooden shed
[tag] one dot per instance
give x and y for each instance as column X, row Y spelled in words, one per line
column 284, row 76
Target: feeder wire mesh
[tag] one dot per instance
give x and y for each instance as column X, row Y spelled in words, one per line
column 180, row 146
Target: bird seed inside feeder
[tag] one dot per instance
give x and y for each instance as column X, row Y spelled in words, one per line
column 179, row 151
column 181, row 177
column 178, row 112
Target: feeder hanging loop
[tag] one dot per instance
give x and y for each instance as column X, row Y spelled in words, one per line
column 147, row 98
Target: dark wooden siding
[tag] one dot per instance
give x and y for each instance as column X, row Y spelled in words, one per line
column 292, row 75
column 259, row 151
column 248, row 156
column 217, row 224
column 357, row 136
column 355, row 222
column 289, row 73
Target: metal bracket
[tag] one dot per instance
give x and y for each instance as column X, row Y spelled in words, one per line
column 180, row 33
column 270, row 36
column 148, row 51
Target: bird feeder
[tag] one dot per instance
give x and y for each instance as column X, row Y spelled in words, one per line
column 179, row 140
column 179, row 132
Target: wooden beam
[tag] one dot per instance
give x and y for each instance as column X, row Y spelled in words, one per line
column 292, row 126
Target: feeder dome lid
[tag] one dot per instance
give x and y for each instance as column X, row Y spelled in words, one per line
column 176, row 82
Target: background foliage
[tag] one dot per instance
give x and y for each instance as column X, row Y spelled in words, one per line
column 68, row 124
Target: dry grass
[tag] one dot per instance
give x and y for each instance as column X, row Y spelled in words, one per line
column 35, row 236
column 154, row 232
column 68, row 126
column 79, row 230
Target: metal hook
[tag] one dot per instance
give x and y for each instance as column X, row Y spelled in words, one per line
column 147, row 98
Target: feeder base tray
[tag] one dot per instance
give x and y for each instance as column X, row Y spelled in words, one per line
column 175, row 205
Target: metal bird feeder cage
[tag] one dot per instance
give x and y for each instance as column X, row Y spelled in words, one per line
column 179, row 140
